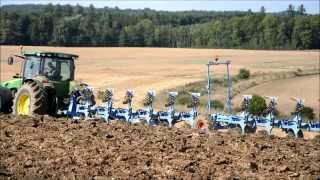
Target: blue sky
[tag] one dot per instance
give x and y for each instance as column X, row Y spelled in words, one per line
column 312, row 6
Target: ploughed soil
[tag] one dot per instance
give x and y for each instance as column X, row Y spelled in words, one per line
column 45, row 147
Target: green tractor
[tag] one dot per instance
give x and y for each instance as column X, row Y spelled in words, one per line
column 44, row 86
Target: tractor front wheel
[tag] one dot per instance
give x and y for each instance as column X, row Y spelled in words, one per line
column 30, row 99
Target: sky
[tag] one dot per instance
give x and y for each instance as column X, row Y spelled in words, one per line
column 311, row 6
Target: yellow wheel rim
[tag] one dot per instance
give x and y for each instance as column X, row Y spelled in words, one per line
column 23, row 105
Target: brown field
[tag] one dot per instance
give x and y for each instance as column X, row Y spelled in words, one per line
column 162, row 68
column 49, row 148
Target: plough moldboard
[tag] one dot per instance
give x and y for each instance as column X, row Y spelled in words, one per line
column 82, row 106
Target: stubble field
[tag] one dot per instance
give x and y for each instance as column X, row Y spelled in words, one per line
column 142, row 69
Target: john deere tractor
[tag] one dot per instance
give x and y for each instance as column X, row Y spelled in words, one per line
column 44, row 86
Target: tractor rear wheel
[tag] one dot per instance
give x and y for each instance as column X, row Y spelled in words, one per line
column 6, row 99
column 30, row 99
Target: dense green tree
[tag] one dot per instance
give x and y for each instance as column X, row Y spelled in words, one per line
column 262, row 10
column 302, row 33
column 291, row 11
column 9, row 31
column 301, row 10
column 66, row 25
column 23, row 28
column 269, row 25
column 257, row 105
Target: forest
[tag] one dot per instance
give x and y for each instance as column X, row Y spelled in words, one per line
column 66, row 25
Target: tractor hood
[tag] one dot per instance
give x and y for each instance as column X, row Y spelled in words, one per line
column 14, row 83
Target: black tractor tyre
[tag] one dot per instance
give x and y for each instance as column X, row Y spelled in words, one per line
column 6, row 100
column 37, row 100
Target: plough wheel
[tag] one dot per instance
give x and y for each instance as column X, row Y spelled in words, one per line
column 250, row 129
column 290, row 134
column 204, row 124
column 142, row 122
column 300, row 134
column 182, row 124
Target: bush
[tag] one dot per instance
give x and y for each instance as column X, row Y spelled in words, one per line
column 183, row 97
column 199, row 87
column 244, row 74
column 306, row 113
column 257, row 105
column 234, row 79
column 100, row 95
column 216, row 104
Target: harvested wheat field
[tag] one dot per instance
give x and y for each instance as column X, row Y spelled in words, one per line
column 307, row 87
column 163, row 68
column 42, row 148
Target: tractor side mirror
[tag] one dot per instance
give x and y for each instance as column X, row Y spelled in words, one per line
column 10, row 60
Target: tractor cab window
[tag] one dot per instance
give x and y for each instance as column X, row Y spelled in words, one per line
column 32, row 67
column 58, row 69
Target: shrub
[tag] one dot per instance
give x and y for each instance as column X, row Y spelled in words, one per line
column 199, row 87
column 306, row 113
column 257, row 105
column 234, row 79
column 183, row 97
column 100, row 95
column 216, row 104
column 244, row 74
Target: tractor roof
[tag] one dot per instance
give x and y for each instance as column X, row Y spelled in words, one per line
column 50, row 54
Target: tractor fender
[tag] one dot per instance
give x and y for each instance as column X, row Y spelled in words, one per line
column 41, row 81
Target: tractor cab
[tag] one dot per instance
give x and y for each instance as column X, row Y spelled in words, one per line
column 50, row 68
column 50, row 65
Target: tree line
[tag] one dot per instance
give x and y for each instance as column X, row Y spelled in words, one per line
column 66, row 25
